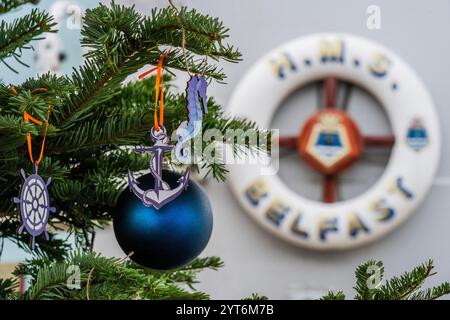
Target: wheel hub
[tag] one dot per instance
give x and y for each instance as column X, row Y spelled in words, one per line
column 330, row 141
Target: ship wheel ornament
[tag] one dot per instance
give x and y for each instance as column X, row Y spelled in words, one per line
column 34, row 205
column 34, row 199
column 330, row 141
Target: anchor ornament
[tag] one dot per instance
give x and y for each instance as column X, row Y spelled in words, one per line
column 161, row 194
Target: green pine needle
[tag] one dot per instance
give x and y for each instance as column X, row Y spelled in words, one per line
column 334, row 296
column 408, row 286
column 8, row 287
column 8, row 5
column 14, row 36
column 102, row 278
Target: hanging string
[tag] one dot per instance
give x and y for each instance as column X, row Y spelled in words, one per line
column 183, row 37
column 88, row 283
column 90, row 274
column 122, row 260
column 13, row 90
column 159, row 91
column 27, row 117
column 38, row 89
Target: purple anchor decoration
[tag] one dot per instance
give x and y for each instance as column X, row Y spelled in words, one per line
column 196, row 88
column 34, row 204
column 161, row 194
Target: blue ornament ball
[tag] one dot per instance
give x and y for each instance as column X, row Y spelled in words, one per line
column 167, row 238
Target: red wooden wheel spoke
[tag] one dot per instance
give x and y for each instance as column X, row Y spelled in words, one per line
column 346, row 98
column 379, row 141
column 331, row 88
column 329, row 188
column 288, row 142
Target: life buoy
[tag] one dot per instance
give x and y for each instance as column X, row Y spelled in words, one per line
column 331, row 141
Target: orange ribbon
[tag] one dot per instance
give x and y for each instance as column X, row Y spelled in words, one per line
column 159, row 91
column 27, row 117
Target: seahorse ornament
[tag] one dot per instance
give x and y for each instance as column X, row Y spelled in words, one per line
column 195, row 96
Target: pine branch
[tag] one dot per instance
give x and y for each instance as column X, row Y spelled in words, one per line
column 53, row 249
column 8, row 5
column 255, row 296
column 188, row 274
column 109, row 279
column 400, row 288
column 213, row 263
column 405, row 287
column 31, row 267
column 8, row 287
column 203, row 33
column 121, row 41
column 49, row 283
column 14, row 36
column 16, row 131
column 366, row 275
column 432, row 293
column 334, row 296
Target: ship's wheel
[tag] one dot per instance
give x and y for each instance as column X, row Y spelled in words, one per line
column 331, row 141
column 34, row 205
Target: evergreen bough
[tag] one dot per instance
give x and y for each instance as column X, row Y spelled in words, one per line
column 408, row 286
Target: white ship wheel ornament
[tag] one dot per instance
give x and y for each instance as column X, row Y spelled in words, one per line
column 34, row 199
column 330, row 141
column 34, row 205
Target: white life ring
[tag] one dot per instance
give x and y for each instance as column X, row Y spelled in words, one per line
column 414, row 156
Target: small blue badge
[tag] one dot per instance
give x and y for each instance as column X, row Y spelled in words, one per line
column 417, row 136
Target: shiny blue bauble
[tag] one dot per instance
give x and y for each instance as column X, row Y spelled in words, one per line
column 167, row 238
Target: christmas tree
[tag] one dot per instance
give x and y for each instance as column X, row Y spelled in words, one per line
column 94, row 116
